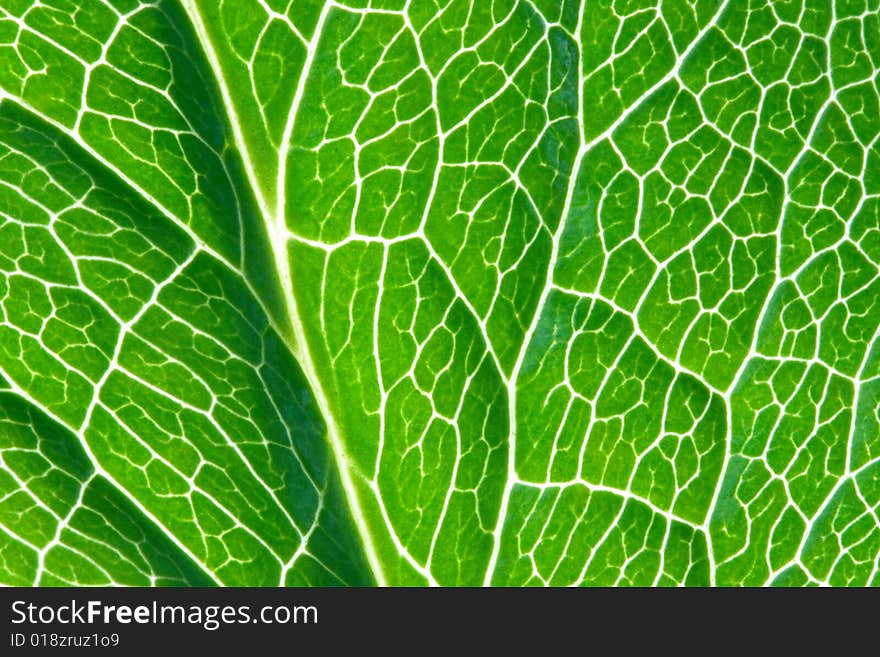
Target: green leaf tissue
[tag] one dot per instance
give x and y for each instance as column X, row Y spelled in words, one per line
column 440, row 292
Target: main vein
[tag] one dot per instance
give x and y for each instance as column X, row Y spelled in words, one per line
column 274, row 218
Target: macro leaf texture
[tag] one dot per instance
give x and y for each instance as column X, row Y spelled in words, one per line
column 447, row 292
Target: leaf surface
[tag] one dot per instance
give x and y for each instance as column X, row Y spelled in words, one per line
column 512, row 293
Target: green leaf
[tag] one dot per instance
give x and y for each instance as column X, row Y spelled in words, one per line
column 387, row 292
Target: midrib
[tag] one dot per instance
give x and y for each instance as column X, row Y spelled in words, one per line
column 275, row 223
